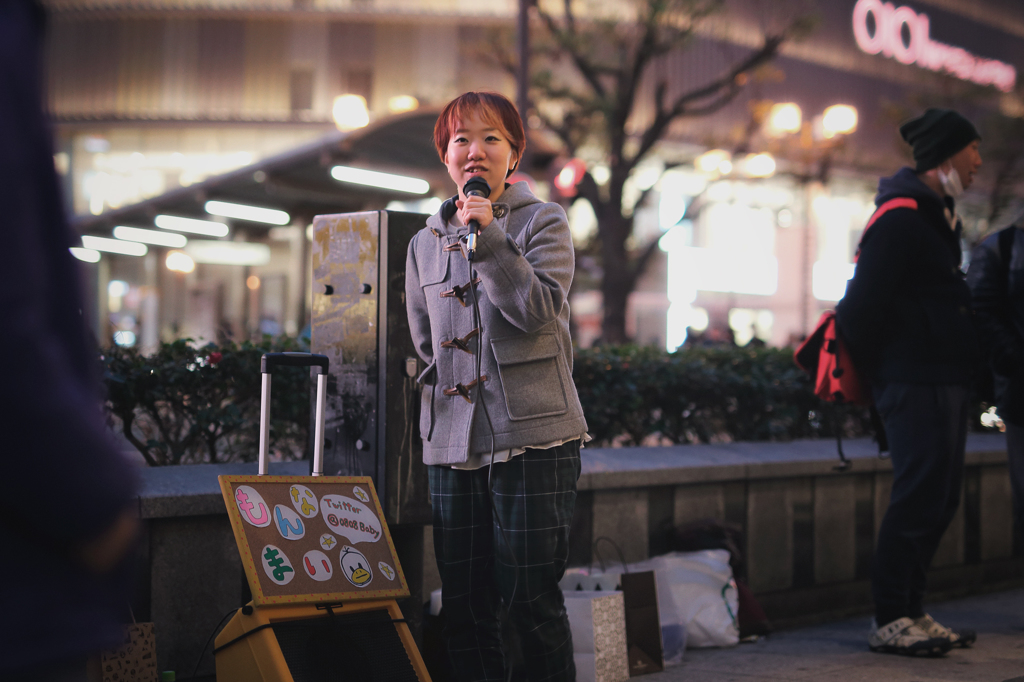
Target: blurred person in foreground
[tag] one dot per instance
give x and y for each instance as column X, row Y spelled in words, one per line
column 67, row 520
column 514, row 430
column 907, row 320
column 996, row 278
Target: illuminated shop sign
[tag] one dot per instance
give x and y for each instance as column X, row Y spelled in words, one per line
column 902, row 34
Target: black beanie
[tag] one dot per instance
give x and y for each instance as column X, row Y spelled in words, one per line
column 936, row 135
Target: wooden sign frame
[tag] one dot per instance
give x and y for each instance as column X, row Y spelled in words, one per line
column 264, row 589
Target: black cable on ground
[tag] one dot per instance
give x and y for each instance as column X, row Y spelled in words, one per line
column 209, row 639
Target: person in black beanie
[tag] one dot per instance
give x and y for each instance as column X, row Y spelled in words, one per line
column 906, row 318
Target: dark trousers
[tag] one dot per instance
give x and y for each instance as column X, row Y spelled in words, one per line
column 534, row 496
column 927, row 429
column 1015, row 460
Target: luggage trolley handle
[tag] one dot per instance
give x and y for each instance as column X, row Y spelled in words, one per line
column 268, row 364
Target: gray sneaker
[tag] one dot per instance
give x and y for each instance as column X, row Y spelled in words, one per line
column 961, row 638
column 906, row 637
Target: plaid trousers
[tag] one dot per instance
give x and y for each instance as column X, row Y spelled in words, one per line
column 534, row 496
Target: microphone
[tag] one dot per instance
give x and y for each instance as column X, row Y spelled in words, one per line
column 474, row 187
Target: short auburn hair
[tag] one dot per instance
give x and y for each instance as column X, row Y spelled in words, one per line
column 491, row 107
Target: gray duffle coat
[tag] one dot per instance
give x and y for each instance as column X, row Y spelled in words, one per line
column 524, row 266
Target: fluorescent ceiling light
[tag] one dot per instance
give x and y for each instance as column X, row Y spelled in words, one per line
column 114, row 246
column 87, row 255
column 209, row 228
column 228, row 253
column 135, row 234
column 253, row 213
column 361, row 176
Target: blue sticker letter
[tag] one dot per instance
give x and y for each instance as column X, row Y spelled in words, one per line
column 285, row 525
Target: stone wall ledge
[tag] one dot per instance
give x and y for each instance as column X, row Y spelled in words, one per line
column 642, row 467
column 192, row 489
column 808, row 529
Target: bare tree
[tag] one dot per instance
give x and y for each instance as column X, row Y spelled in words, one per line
column 1004, row 151
column 588, row 92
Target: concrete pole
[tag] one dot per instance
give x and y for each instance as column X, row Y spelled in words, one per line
column 805, row 263
column 523, row 75
column 104, row 330
column 149, row 337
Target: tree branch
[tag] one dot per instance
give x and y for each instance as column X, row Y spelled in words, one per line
column 567, row 40
column 762, row 56
column 563, row 132
column 724, row 89
column 127, row 419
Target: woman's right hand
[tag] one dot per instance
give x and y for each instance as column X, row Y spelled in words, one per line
column 475, row 208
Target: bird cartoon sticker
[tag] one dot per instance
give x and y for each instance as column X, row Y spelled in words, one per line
column 317, row 565
column 386, row 570
column 355, row 567
column 303, row 500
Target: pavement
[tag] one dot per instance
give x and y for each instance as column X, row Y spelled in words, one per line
column 838, row 652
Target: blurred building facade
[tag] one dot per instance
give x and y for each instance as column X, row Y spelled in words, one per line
column 156, row 97
column 751, row 254
column 152, row 97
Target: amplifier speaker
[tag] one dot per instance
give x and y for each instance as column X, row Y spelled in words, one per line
column 357, row 642
column 359, row 321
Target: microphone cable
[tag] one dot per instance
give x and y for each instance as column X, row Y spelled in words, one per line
column 478, row 322
column 473, row 188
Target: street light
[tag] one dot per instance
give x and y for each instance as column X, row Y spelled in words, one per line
column 759, row 165
column 784, row 119
column 819, row 145
column 839, row 119
column 811, row 144
column 714, row 162
column 177, row 261
column 350, row 112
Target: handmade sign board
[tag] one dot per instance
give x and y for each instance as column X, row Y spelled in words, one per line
column 312, row 539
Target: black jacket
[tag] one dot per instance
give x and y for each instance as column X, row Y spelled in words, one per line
column 906, row 316
column 997, row 288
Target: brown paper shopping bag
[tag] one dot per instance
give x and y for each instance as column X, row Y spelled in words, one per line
column 598, row 623
column 135, row 659
column 643, row 623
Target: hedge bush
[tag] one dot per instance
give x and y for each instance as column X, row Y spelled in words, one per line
column 187, row 404
column 632, row 395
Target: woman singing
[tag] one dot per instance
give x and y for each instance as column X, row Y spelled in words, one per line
column 501, row 422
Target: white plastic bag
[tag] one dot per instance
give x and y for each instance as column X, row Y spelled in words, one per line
column 696, row 589
column 580, row 580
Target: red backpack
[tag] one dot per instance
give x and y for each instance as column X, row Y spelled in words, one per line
column 823, row 355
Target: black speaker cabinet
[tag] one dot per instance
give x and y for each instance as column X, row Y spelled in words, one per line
column 357, row 642
column 359, row 321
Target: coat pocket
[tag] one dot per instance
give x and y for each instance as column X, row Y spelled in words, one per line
column 433, row 267
column 530, row 376
column 428, row 382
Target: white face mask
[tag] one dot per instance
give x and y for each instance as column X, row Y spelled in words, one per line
column 950, row 182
